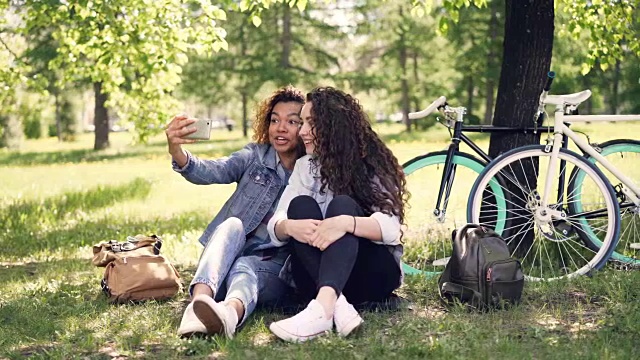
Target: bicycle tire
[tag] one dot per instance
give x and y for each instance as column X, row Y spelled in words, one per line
column 552, row 240
column 629, row 219
column 438, row 241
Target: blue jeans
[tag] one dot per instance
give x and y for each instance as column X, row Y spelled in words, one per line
column 250, row 279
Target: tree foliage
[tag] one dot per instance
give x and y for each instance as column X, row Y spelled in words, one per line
column 134, row 48
column 612, row 28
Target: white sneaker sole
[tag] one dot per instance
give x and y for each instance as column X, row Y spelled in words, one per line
column 353, row 325
column 191, row 330
column 287, row 336
column 208, row 314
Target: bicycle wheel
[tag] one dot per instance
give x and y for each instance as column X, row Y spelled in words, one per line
column 544, row 239
column 428, row 236
column 624, row 155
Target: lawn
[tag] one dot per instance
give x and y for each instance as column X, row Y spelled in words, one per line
column 56, row 200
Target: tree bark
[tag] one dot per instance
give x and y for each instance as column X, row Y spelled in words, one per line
column 527, row 46
column 100, row 118
column 470, row 88
column 285, row 39
column 416, row 80
column 615, row 89
column 245, row 122
column 404, row 84
column 491, row 63
column 56, row 97
column 243, row 90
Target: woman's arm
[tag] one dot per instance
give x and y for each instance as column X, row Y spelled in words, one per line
column 280, row 227
column 371, row 227
column 226, row 170
column 276, row 227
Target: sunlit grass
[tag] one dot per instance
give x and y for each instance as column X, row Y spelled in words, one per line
column 58, row 199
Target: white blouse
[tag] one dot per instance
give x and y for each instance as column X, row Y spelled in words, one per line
column 305, row 180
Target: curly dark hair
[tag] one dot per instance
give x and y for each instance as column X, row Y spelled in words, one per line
column 351, row 155
column 265, row 107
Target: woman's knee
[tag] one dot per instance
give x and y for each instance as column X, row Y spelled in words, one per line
column 304, row 207
column 231, row 229
column 232, row 224
column 343, row 205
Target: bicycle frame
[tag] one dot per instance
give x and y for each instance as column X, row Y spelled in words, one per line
column 562, row 132
column 448, row 175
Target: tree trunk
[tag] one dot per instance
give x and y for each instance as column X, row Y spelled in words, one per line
column 491, row 63
column 243, row 89
column 404, row 84
column 56, row 97
column 245, row 122
column 285, row 39
column 527, row 45
column 416, row 80
column 470, row 89
column 100, row 118
column 527, row 56
column 587, row 106
column 615, row 89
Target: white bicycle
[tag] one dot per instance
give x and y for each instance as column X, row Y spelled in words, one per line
column 565, row 213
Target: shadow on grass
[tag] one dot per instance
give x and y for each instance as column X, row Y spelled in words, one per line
column 72, row 320
column 31, row 272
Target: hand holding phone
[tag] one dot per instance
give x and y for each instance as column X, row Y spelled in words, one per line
column 203, row 130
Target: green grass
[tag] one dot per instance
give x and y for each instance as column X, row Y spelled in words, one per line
column 56, row 200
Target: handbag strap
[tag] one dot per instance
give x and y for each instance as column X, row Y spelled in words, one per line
column 134, row 243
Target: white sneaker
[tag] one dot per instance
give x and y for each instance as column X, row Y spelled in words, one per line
column 306, row 325
column 217, row 318
column 190, row 325
column 345, row 317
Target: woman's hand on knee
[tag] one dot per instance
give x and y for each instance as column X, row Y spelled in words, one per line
column 301, row 230
column 330, row 230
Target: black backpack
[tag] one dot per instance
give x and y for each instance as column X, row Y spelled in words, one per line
column 481, row 272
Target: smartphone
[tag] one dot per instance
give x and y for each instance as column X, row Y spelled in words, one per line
column 203, row 130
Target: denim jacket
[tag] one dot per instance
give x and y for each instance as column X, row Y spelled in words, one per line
column 253, row 168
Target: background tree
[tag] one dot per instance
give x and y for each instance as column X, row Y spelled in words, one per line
column 132, row 51
column 289, row 47
column 477, row 37
column 394, row 54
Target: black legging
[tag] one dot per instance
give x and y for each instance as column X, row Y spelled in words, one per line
column 355, row 266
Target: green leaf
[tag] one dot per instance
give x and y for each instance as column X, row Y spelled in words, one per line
column 255, row 19
column 301, row 4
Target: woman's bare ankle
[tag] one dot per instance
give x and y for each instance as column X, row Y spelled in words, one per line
column 327, row 298
column 201, row 289
column 236, row 305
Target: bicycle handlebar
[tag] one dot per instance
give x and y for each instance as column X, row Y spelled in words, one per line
column 441, row 101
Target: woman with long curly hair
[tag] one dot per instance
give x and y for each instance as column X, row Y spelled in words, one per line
column 239, row 265
column 342, row 211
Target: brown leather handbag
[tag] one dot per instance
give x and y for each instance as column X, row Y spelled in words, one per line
column 135, row 270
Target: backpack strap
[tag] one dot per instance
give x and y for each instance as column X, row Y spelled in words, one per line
column 449, row 292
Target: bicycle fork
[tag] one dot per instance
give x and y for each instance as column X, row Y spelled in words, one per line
column 446, row 183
